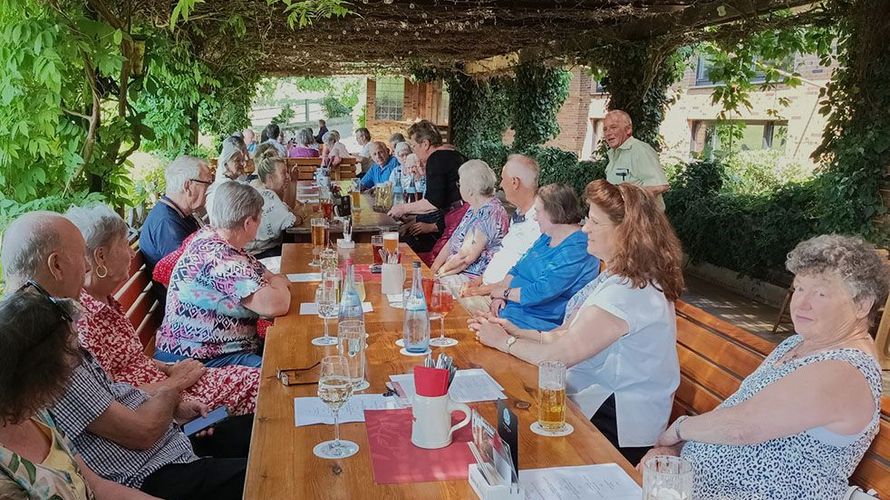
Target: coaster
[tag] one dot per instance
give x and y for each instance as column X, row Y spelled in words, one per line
column 361, row 386
column 537, row 429
column 443, row 342
column 400, row 342
column 406, row 353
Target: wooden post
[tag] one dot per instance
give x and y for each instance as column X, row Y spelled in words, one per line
column 882, row 340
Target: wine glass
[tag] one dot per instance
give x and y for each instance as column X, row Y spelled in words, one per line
column 326, row 301
column 442, row 302
column 359, row 283
column 335, row 388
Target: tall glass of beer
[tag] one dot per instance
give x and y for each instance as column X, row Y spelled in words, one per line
column 552, row 389
column 319, row 239
column 391, row 242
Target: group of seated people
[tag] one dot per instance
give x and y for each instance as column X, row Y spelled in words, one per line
column 86, row 413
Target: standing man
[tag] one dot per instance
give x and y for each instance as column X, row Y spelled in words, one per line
column 322, row 130
column 630, row 159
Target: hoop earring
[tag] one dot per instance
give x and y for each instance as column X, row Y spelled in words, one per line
column 104, row 270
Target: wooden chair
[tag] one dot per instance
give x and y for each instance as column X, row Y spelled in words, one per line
column 882, row 338
column 715, row 356
column 137, row 298
column 784, row 316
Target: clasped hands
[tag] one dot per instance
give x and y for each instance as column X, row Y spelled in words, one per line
column 491, row 330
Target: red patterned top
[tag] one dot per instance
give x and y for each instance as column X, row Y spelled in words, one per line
column 106, row 332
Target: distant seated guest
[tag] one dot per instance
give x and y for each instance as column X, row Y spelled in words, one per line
column 171, row 220
column 381, row 168
column 363, row 138
column 303, row 147
column 334, row 150
column 276, row 215
column 230, row 166
column 37, row 460
column 799, row 425
column 535, row 291
column 218, row 290
column 249, row 141
column 406, row 174
column 478, row 236
column 272, row 135
column 322, row 130
column 105, row 331
column 395, row 139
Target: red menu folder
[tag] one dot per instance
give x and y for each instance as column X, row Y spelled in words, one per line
column 395, row 460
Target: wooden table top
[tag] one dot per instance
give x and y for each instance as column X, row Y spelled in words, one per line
column 364, row 220
column 281, row 462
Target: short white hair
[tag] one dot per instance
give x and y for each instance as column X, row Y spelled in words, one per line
column 180, row 171
column 525, row 168
column 230, row 148
column 402, row 147
column 98, row 224
column 621, row 116
column 410, row 160
column 478, row 177
column 330, row 137
column 233, row 203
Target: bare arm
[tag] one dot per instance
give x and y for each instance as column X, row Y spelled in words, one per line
column 657, row 190
column 271, row 300
column 141, row 428
column 421, row 206
column 467, row 254
column 108, row 490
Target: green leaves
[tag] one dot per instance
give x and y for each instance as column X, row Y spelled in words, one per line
column 537, row 95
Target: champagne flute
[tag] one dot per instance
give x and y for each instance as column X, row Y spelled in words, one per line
column 335, row 388
column 442, row 302
column 325, row 301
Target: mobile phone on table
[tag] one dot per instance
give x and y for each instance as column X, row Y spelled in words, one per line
column 197, row 425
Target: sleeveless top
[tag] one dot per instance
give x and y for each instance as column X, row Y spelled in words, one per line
column 815, row 463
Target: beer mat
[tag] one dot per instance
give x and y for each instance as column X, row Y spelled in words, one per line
column 304, row 277
column 537, row 429
column 395, row 460
column 363, row 270
column 310, row 308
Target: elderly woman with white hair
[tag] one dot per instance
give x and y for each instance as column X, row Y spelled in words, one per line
column 229, row 166
column 799, row 425
column 105, row 331
column 334, row 150
column 303, row 146
column 479, row 234
column 218, row 290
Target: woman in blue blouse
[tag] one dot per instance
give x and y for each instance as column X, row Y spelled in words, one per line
column 534, row 293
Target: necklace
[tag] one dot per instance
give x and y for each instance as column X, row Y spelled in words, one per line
column 795, row 352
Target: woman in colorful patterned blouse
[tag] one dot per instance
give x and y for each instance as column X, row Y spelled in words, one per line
column 106, row 332
column 479, row 234
column 38, row 349
column 218, row 290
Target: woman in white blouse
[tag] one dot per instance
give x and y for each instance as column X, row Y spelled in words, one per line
column 619, row 333
column 276, row 216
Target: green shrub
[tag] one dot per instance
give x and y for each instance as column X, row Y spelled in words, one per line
column 334, row 108
column 759, row 172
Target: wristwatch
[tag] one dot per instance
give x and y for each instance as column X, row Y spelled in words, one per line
column 510, row 341
column 506, row 293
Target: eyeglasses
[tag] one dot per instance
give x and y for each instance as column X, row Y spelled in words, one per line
column 57, row 302
column 200, row 181
column 287, row 376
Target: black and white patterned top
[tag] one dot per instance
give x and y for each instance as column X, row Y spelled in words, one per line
column 88, row 396
column 812, row 464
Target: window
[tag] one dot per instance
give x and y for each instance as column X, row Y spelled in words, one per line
column 389, row 98
column 710, row 138
column 701, row 71
column 704, row 65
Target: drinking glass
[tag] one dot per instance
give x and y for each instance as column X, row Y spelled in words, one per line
column 351, row 334
column 335, row 388
column 326, row 301
column 552, row 390
column 332, row 278
column 319, row 239
column 359, row 282
column 376, row 246
column 441, row 302
column 327, row 208
column 666, row 477
column 328, row 258
column 391, row 242
column 428, row 284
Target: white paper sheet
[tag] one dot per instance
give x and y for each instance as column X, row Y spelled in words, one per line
column 310, row 308
column 304, row 277
column 469, row 386
column 583, row 482
column 273, row 264
column 311, row 411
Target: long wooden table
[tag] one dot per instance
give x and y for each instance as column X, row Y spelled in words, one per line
column 281, row 462
column 365, row 220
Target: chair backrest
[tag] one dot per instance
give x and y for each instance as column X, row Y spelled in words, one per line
column 139, row 302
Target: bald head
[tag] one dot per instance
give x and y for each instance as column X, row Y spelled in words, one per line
column 45, row 247
column 617, row 128
column 519, row 180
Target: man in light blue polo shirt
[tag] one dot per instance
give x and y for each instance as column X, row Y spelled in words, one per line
column 630, row 159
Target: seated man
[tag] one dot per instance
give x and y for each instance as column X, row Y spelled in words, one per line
column 123, row 434
column 382, row 168
column 171, row 220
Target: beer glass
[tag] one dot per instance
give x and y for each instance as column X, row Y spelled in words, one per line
column 552, row 390
column 667, row 477
column 376, row 246
column 319, row 239
column 391, row 242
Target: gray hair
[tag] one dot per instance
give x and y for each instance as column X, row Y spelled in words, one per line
column 402, row 147
column 233, row 203
column 410, row 160
column 857, row 263
column 330, row 137
column 230, row 148
column 526, row 169
column 98, row 224
column 478, row 177
column 620, row 115
column 38, row 240
column 304, row 137
column 180, row 171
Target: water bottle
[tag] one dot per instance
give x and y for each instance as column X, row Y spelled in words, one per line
column 350, row 301
column 417, row 320
column 397, row 192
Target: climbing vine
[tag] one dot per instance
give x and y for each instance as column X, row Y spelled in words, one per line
column 480, row 112
column 537, row 95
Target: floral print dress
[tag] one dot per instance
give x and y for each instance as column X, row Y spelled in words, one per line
column 490, row 220
column 112, row 340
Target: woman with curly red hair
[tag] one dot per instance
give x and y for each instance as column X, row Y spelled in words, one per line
column 619, row 333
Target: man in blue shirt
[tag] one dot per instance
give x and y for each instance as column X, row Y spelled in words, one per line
column 171, row 220
column 381, row 169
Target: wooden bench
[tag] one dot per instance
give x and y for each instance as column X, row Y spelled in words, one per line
column 139, row 301
column 715, row 356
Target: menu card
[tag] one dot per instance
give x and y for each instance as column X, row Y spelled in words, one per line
column 583, row 482
column 469, row 386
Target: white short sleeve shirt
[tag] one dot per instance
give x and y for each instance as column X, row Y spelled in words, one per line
column 519, row 238
column 641, row 368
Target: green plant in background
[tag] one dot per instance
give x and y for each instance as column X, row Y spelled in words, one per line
column 333, row 108
column 284, row 116
column 480, row 111
column 536, row 96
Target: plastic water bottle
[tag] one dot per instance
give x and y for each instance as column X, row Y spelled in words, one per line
column 417, row 319
column 397, row 197
column 350, row 301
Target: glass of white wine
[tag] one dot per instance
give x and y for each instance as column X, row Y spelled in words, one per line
column 326, row 302
column 335, row 388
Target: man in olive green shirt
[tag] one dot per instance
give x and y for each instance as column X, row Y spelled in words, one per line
column 630, row 159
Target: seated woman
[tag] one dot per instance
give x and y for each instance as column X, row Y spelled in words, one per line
column 334, row 150
column 106, row 332
column 478, row 236
column 276, row 215
column 619, row 333
column 303, row 147
column 535, row 291
column 230, row 166
column 799, row 425
column 381, row 168
column 39, row 349
column 218, row 290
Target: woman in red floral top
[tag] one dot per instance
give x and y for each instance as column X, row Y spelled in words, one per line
column 107, row 333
